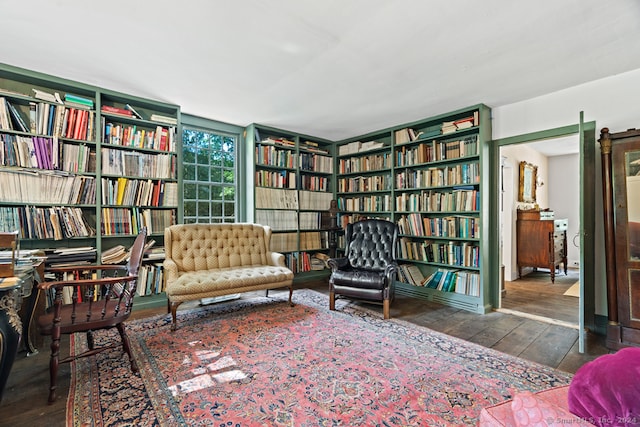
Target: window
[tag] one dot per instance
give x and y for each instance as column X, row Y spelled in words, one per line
column 209, row 177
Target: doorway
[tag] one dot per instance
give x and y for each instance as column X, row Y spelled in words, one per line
column 586, row 208
column 528, row 291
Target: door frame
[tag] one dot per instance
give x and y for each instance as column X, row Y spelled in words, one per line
column 587, row 135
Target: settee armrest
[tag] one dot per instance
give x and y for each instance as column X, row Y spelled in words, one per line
column 277, row 259
column 170, row 270
column 337, row 263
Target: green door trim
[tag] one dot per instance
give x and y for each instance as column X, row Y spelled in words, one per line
column 586, row 133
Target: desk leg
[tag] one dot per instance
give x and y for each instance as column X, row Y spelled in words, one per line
column 29, row 328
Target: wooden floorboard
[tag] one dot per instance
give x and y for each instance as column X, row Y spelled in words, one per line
column 25, row 396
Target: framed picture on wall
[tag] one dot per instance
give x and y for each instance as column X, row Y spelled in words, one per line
column 528, row 179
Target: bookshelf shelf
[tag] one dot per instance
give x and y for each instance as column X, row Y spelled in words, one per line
column 63, row 143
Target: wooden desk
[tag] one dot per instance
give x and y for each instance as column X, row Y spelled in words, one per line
column 32, row 304
column 541, row 243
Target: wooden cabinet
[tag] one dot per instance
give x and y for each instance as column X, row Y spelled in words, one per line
column 542, row 243
column 621, row 206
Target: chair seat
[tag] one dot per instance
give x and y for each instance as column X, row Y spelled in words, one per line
column 96, row 320
column 361, row 279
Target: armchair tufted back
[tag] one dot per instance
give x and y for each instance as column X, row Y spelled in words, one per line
column 371, row 244
column 211, row 246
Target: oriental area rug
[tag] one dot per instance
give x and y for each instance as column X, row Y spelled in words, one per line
column 260, row 362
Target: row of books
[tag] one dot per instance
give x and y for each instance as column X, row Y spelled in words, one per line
column 462, row 123
column 415, row 224
column 316, row 163
column 278, row 220
column 360, row 184
column 48, row 119
column 373, row 203
column 410, row 273
column 129, row 221
column 284, row 242
column 137, row 192
column 282, row 141
column 276, row 198
column 270, row 155
column 359, row 147
column 313, row 146
column 161, row 138
column 45, row 153
column 457, row 200
column 130, row 112
column 150, row 279
column 347, row 218
column 305, row 261
column 313, row 240
column 119, row 254
column 46, row 223
column 315, row 200
column 136, row 164
column 50, row 187
column 282, row 220
column 434, row 151
column 458, row 281
column 460, row 174
column 314, row 183
column 463, row 254
column 370, row 163
column 275, row 179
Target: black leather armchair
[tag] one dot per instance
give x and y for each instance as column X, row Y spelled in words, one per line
column 368, row 269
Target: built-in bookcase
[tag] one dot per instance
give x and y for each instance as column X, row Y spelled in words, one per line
column 427, row 177
column 83, row 166
column 292, row 194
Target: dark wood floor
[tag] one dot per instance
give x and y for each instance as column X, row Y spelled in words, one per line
column 25, row 397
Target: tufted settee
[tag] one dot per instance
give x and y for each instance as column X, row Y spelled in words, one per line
column 210, row 260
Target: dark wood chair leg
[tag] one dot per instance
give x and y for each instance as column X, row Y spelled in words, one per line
column 291, row 296
column 386, row 309
column 174, row 310
column 332, row 300
column 53, row 367
column 127, row 347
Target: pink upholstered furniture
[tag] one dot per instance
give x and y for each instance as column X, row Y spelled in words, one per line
column 545, row 408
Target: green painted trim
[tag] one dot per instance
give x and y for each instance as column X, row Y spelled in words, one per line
column 537, row 136
column 586, row 132
column 195, row 122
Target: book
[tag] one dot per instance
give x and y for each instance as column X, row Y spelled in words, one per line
column 164, row 119
column 78, row 100
column 46, row 96
column 115, row 110
column 130, row 108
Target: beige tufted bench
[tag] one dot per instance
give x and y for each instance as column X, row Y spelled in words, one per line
column 211, row 260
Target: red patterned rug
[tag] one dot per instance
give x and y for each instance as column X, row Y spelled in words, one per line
column 260, row 362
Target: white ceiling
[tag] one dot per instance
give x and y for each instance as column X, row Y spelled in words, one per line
column 328, row 68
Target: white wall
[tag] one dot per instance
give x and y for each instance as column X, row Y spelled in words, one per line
column 611, row 102
column 563, row 189
column 513, row 155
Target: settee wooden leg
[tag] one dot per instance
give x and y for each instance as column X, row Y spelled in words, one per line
column 386, row 309
column 174, row 309
column 291, row 296
column 332, row 300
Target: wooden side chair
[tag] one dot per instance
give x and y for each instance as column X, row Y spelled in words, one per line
column 101, row 297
